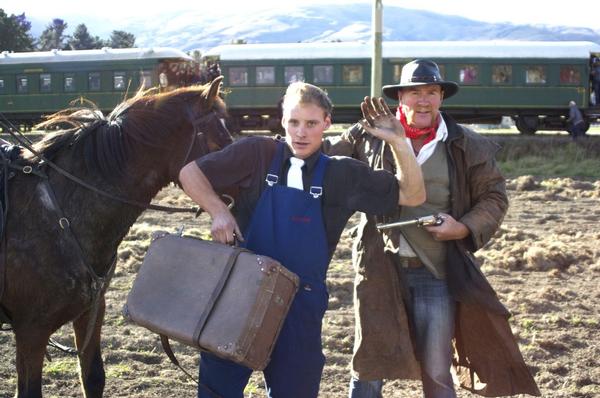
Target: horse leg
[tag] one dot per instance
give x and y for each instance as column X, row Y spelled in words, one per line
column 31, row 347
column 90, row 361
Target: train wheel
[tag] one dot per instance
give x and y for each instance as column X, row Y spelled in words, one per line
column 274, row 125
column 527, row 124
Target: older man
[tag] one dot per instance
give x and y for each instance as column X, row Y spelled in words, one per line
column 419, row 289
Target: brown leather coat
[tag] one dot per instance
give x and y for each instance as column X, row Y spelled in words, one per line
column 487, row 357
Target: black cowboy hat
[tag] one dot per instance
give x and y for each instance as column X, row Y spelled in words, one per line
column 420, row 72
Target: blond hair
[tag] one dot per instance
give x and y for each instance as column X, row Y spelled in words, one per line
column 305, row 93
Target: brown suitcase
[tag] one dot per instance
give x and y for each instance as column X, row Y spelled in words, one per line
column 219, row 298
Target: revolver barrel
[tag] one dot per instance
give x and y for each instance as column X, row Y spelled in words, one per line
column 435, row 219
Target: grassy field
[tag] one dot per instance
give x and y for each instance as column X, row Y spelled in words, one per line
column 546, row 154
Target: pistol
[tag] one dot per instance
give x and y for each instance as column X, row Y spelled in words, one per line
column 432, row 220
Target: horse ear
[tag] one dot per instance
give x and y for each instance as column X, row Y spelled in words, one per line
column 213, row 91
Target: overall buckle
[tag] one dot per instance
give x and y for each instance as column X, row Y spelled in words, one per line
column 271, row 179
column 316, row 191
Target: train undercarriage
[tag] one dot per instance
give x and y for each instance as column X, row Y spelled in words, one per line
column 528, row 121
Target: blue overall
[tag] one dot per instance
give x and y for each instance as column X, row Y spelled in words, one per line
column 288, row 226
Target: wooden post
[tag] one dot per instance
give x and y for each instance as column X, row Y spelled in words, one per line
column 376, row 78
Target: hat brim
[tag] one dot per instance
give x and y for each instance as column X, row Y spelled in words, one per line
column 391, row 91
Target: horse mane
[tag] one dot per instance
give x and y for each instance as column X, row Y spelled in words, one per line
column 144, row 120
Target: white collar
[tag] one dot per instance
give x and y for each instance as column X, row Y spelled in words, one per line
column 427, row 149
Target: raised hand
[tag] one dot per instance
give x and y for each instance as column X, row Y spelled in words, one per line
column 379, row 121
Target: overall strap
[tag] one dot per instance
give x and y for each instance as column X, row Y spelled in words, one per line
column 272, row 177
column 316, row 187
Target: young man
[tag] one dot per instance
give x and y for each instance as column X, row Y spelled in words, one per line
column 296, row 215
column 418, row 289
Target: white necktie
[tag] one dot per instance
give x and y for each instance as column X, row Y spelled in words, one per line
column 294, row 177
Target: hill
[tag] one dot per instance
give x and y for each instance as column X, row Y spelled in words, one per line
column 204, row 28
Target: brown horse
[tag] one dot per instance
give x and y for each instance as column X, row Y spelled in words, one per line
column 62, row 237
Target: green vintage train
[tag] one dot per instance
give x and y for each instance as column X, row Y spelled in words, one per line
column 532, row 82
column 34, row 84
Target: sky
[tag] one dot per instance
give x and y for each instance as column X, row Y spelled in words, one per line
column 577, row 13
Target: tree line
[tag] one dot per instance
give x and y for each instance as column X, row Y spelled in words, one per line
column 15, row 36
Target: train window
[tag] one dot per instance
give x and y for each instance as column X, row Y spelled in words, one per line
column 22, row 85
column 535, row 74
column 352, row 74
column 501, row 74
column 146, row 79
column 163, row 80
column 569, row 74
column 119, row 81
column 238, row 76
column 94, row 81
column 293, row 74
column 442, row 71
column 265, row 75
column 397, row 69
column 45, row 83
column 69, row 82
column 468, row 74
column 323, row 74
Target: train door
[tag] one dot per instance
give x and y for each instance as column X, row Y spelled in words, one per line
column 595, row 80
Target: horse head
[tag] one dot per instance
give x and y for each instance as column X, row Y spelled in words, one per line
column 175, row 127
column 210, row 131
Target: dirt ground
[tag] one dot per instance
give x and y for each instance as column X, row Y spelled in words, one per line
column 544, row 263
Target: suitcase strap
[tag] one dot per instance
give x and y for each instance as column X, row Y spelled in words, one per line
column 217, row 292
column 164, row 341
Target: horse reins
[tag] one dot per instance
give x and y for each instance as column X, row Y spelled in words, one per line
column 99, row 283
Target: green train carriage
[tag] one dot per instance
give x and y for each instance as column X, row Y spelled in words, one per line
column 34, row 84
column 532, row 82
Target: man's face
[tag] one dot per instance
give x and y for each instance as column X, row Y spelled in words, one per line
column 421, row 104
column 304, row 126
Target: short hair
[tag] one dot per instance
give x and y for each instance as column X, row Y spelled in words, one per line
column 305, row 93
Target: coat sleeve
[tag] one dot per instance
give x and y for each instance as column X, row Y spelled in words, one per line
column 487, row 192
column 346, row 145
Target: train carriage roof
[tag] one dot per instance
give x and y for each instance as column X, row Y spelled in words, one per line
column 408, row 49
column 104, row 54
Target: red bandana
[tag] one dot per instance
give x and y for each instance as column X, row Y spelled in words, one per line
column 415, row 133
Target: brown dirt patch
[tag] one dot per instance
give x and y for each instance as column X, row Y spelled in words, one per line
column 544, row 264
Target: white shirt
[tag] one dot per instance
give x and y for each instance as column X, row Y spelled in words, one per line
column 404, row 249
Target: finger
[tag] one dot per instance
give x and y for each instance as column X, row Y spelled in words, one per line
column 364, row 107
column 369, row 107
column 385, row 107
column 373, row 107
column 378, row 106
column 238, row 234
column 217, row 236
